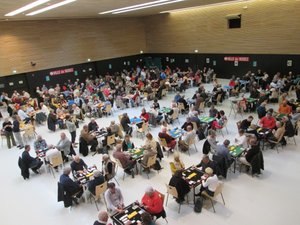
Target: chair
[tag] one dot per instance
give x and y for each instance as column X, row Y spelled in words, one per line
column 108, row 110
column 163, row 92
column 162, row 197
column 151, row 162
column 219, row 98
column 29, row 133
column 120, row 117
column 224, row 126
column 175, row 116
column 99, row 190
column 164, row 144
column 278, row 142
column 238, row 124
column 145, row 98
column 181, row 107
column 213, row 198
column 55, row 162
column 120, row 131
column 111, row 140
column 192, row 141
column 172, row 191
column 202, row 107
column 292, row 87
column 195, row 127
column 144, row 128
column 120, row 165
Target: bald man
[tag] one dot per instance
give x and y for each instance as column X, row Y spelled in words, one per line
column 78, row 165
column 102, row 218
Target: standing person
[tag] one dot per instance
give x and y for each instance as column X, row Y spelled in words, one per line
column 17, row 133
column 8, row 131
column 125, row 122
column 71, row 126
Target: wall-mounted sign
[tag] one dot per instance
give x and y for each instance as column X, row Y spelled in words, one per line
column 47, row 78
column 289, row 63
column 236, row 58
column 236, row 63
column 63, row 71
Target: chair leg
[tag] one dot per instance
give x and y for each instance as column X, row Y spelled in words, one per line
column 96, row 205
column 294, row 140
column 223, row 198
column 212, row 203
column 166, row 220
column 116, row 181
column 123, row 175
column 167, row 199
column 179, row 207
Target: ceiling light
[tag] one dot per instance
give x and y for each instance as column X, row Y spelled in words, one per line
column 50, row 7
column 88, row 60
column 145, row 7
column 27, row 7
column 134, row 6
column 196, row 50
column 208, row 5
column 141, row 52
column 14, row 71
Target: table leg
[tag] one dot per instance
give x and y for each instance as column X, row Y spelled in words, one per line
column 234, row 165
column 194, row 195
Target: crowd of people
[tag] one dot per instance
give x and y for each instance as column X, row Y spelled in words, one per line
column 66, row 106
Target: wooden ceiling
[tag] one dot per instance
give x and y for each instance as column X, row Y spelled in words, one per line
column 91, row 8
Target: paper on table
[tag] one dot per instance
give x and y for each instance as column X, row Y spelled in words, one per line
column 191, row 175
column 132, row 215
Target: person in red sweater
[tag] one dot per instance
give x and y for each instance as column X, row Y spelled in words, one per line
column 152, row 202
column 268, row 121
column 144, row 116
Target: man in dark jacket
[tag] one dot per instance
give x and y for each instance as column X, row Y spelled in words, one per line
column 98, row 179
column 71, row 187
column 206, row 162
column 125, row 122
column 30, row 162
column 180, row 184
column 248, row 156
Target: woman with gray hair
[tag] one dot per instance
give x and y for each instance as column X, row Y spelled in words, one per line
column 108, row 167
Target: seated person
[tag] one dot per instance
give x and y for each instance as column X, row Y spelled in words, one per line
column 50, row 154
column 114, row 198
column 248, row 155
column 268, row 121
column 180, row 184
column 261, row 110
column 23, row 116
column 93, row 126
column 30, row 162
column 64, row 145
column 155, row 104
column 114, row 128
column 246, row 123
column 148, row 152
column 125, row 122
column 289, row 128
column 212, row 140
column 98, row 180
column 241, row 139
column 186, row 138
column 108, row 167
column 40, row 144
column 210, row 182
column 127, row 144
column 108, row 133
column 102, row 218
column 89, row 138
column 206, row 162
column 125, row 160
column 146, row 219
column 295, row 116
column 72, row 188
column 78, row 165
column 284, row 108
column 277, row 134
column 223, row 151
column 152, row 203
column 177, row 164
column 171, row 142
column 187, row 123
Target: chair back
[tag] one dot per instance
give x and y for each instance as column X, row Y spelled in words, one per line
column 111, row 139
column 120, row 117
column 202, row 106
column 108, row 108
column 163, row 142
column 161, row 196
column 192, row 140
column 56, row 160
column 119, row 163
column 219, row 97
column 218, row 189
column 180, row 106
column 172, row 191
column 281, row 136
column 151, row 161
column 195, row 127
column 144, row 127
column 100, row 189
column 175, row 114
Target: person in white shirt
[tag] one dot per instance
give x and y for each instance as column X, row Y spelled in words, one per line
column 23, row 116
column 114, row 198
column 210, row 182
column 241, row 139
column 44, row 109
column 52, row 153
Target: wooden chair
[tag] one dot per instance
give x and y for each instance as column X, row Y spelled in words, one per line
column 195, row 127
column 278, row 142
column 120, row 165
column 219, row 97
column 29, row 133
column 111, row 140
column 151, row 162
column 55, row 161
column 108, row 110
column 145, row 98
column 175, row 116
column 164, row 145
column 192, row 141
column 162, row 197
column 292, row 87
column 213, row 198
column 120, row 131
column 99, row 191
column 173, row 192
column 181, row 107
column 202, row 107
column 144, row 128
column 223, row 127
column 120, row 118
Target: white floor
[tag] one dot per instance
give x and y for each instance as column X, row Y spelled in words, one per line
column 271, row 199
